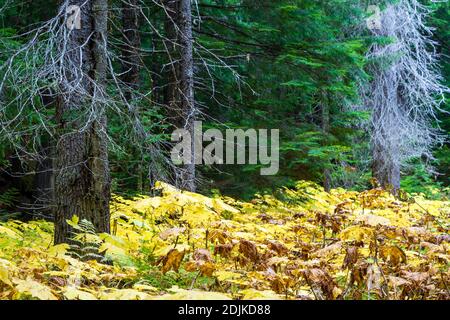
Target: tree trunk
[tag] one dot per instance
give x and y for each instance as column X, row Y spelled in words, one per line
column 132, row 64
column 386, row 172
column 187, row 88
column 326, row 131
column 43, row 190
column 179, row 94
column 171, row 93
column 131, row 60
column 82, row 182
column 405, row 93
column 385, row 166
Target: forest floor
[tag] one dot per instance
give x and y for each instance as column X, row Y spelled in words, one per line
column 302, row 243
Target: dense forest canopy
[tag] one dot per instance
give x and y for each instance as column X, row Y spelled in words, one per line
column 297, row 66
column 98, row 97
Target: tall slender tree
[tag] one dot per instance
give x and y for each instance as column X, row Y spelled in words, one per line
column 180, row 89
column 325, row 110
column 131, row 60
column 82, row 182
column 187, row 87
column 405, row 93
column 131, row 66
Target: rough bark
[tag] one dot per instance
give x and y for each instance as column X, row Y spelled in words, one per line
column 387, row 175
column 132, row 62
column 386, row 143
column 179, row 93
column 171, row 93
column 385, row 166
column 43, row 191
column 187, row 87
column 82, row 182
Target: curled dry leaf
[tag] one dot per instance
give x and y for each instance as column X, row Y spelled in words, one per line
column 318, row 278
column 249, row 250
column 277, row 285
column 218, row 236
column 279, row 248
column 351, row 257
column 207, row 268
column 172, row 260
column 358, row 273
column 223, row 250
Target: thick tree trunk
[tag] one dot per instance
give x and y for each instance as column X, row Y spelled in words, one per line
column 82, row 182
column 387, row 173
column 385, row 166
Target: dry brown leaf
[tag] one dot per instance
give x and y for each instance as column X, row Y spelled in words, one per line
column 249, row 250
column 351, row 257
column 279, row 248
column 172, row 260
column 223, row 250
column 322, row 280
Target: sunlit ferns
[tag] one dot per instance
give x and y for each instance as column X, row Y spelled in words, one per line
column 84, row 242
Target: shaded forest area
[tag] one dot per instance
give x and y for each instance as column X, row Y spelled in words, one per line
column 92, row 93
